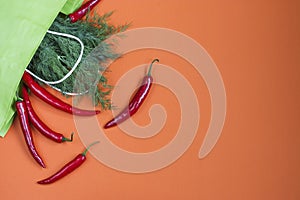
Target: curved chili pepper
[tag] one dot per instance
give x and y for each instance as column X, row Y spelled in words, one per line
column 136, row 101
column 43, row 94
column 39, row 124
column 81, row 12
column 24, row 122
column 68, row 168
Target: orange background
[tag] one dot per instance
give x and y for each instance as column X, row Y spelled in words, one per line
column 256, row 46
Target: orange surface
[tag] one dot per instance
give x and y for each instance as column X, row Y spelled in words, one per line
column 256, row 47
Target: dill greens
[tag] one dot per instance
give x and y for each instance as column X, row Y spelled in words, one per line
column 56, row 55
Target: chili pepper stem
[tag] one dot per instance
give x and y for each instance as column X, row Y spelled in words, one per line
column 68, row 139
column 18, row 97
column 150, row 68
column 88, row 147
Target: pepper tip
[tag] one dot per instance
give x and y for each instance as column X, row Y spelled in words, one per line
column 106, row 126
column 109, row 124
column 98, row 112
column 42, row 182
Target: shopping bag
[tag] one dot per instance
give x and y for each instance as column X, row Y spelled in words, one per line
column 23, row 26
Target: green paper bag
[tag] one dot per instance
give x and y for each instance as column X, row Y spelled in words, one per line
column 70, row 6
column 23, row 26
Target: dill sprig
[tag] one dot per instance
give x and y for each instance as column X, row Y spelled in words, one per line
column 56, row 55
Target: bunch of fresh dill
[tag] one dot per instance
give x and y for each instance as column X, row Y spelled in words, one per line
column 56, row 56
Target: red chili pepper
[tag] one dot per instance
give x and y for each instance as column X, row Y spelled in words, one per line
column 39, row 124
column 136, row 101
column 43, row 94
column 24, row 122
column 68, row 168
column 81, row 12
